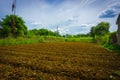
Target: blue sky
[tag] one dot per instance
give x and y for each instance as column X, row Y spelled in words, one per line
column 71, row 16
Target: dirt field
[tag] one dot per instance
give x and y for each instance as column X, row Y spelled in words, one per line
column 58, row 61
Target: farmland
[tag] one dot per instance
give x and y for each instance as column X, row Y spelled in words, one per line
column 58, row 61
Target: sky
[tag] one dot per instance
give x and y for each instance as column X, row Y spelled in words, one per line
column 71, row 16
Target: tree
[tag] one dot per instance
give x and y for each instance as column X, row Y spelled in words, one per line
column 7, row 26
column 100, row 30
column 92, row 32
column 68, row 36
column 43, row 32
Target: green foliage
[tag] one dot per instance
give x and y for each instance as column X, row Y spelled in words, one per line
column 76, row 36
column 100, row 30
column 113, row 38
column 80, row 39
column 41, row 39
column 113, row 47
column 102, row 39
column 7, row 26
column 68, row 36
column 29, row 40
column 43, row 32
column 6, row 31
column 92, row 32
column 54, row 39
column 100, row 33
column 108, row 41
column 81, row 35
column 20, row 40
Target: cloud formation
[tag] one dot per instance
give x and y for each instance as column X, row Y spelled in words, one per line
column 111, row 11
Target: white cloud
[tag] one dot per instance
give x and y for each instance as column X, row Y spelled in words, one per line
column 36, row 23
column 111, row 11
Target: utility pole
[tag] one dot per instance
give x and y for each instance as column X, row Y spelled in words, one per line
column 13, row 16
column 14, row 7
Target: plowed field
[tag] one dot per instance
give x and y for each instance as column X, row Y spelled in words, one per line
column 58, row 61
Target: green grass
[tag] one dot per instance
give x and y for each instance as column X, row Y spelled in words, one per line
column 20, row 40
column 113, row 47
column 54, row 39
column 39, row 39
column 30, row 40
column 80, row 39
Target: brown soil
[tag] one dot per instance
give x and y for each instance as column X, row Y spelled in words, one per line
column 58, row 61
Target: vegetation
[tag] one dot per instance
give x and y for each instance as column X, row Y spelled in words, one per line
column 43, row 32
column 20, row 40
column 31, row 40
column 101, row 35
column 113, row 47
column 100, row 30
column 79, row 39
column 58, row 61
column 12, row 25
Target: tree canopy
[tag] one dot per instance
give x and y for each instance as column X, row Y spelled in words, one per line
column 101, row 29
column 7, row 26
column 43, row 32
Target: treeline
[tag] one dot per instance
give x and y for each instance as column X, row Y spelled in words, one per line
column 76, row 36
column 14, row 26
column 43, row 32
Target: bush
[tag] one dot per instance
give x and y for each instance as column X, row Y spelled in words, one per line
column 80, row 39
column 102, row 39
column 113, row 47
column 105, row 39
column 41, row 39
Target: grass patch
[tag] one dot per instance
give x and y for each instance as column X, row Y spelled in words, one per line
column 113, row 47
column 80, row 39
column 39, row 39
column 30, row 40
column 54, row 39
column 20, row 40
